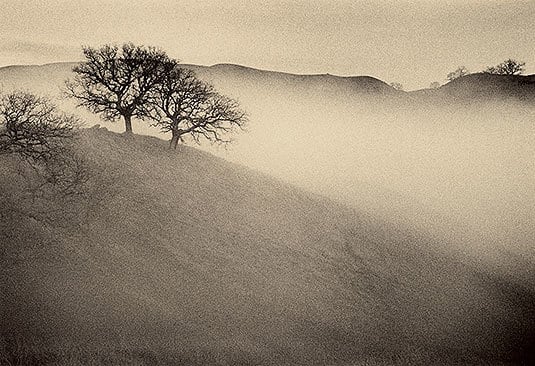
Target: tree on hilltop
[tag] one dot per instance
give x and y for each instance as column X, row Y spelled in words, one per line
column 397, row 86
column 184, row 105
column 117, row 81
column 42, row 137
column 33, row 128
column 508, row 67
column 460, row 72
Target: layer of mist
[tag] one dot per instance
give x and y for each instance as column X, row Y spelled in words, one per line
column 456, row 162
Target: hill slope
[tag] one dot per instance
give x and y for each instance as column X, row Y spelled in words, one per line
column 178, row 255
column 456, row 162
column 490, row 86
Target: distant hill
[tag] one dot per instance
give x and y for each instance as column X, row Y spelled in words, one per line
column 46, row 79
column 478, row 87
column 227, row 76
column 179, row 256
column 235, row 76
column 482, row 88
column 489, row 86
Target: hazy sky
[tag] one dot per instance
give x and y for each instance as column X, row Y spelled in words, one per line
column 412, row 42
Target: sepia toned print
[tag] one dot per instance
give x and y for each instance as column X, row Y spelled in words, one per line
column 267, row 182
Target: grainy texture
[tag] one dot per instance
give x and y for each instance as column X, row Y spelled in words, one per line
column 359, row 217
column 190, row 255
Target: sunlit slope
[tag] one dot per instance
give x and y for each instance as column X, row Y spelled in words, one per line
column 184, row 252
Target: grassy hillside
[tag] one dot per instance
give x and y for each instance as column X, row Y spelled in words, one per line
column 178, row 257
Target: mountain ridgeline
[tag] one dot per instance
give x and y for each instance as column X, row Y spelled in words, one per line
column 472, row 88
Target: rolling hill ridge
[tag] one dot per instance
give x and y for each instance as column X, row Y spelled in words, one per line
column 473, row 87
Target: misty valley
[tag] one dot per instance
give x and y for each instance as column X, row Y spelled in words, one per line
column 348, row 222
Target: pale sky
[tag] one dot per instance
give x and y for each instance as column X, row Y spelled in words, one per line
column 411, row 42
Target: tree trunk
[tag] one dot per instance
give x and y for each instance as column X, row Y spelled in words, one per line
column 174, row 140
column 177, row 133
column 128, row 124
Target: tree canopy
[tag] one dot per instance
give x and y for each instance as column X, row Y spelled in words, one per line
column 185, row 105
column 459, row 72
column 117, row 81
column 33, row 127
column 508, row 67
column 397, row 86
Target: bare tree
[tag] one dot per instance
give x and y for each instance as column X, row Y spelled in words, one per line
column 184, row 105
column 397, row 86
column 460, row 72
column 117, row 81
column 33, row 127
column 508, row 67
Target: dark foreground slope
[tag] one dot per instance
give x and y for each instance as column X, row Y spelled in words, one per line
column 178, row 257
